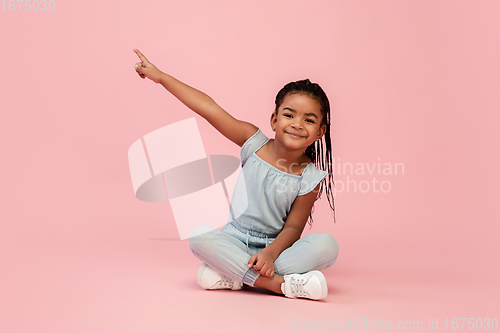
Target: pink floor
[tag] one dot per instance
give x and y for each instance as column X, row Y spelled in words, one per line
column 149, row 285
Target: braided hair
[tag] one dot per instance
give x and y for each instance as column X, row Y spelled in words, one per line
column 321, row 157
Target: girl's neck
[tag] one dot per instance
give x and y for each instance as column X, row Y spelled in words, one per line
column 286, row 157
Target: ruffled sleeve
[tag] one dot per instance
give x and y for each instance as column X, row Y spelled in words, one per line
column 310, row 178
column 254, row 143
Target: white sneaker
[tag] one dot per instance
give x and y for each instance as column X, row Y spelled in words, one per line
column 211, row 279
column 308, row 285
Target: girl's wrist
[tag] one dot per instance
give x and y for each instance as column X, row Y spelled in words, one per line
column 161, row 79
column 270, row 253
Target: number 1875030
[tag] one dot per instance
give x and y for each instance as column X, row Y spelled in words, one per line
column 29, row 5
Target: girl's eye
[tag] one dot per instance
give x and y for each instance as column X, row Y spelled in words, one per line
column 290, row 116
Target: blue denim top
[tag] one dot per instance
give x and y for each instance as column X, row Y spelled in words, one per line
column 263, row 195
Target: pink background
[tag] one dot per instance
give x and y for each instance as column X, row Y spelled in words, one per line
column 412, row 82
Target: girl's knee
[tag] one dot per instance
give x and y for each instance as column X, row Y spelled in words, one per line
column 200, row 236
column 332, row 244
column 327, row 245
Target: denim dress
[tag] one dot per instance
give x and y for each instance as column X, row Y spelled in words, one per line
column 261, row 201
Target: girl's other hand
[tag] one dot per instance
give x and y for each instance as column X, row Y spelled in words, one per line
column 262, row 263
column 145, row 69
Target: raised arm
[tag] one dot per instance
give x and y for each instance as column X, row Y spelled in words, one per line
column 235, row 130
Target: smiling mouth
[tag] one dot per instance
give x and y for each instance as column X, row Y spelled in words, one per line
column 294, row 136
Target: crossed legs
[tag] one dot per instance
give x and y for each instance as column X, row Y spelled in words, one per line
column 228, row 255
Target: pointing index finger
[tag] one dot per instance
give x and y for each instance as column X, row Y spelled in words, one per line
column 140, row 55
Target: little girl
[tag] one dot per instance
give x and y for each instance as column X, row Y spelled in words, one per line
column 260, row 245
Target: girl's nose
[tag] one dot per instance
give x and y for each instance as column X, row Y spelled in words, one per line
column 297, row 125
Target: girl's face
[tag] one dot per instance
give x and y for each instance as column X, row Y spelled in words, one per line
column 298, row 122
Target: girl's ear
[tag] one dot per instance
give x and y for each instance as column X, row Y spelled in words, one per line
column 273, row 120
column 322, row 131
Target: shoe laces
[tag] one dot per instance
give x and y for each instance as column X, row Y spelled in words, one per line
column 297, row 287
column 225, row 281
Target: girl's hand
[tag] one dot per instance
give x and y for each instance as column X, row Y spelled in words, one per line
column 262, row 263
column 145, row 69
